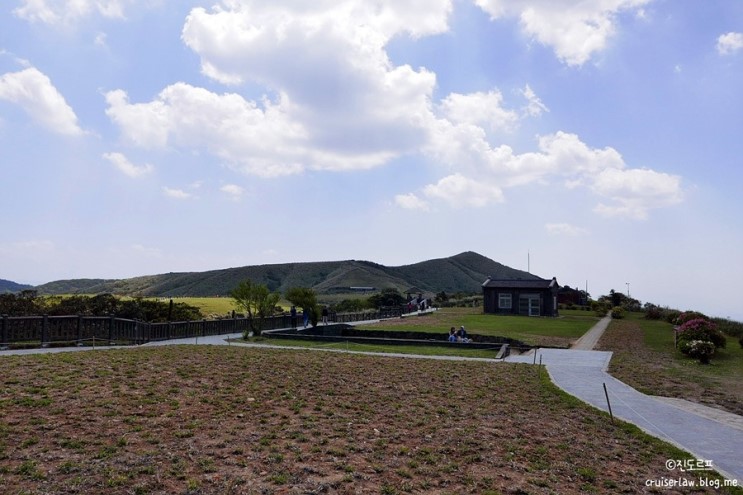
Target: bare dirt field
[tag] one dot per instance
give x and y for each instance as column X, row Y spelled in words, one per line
column 230, row 420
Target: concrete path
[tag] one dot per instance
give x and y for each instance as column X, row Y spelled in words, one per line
column 589, row 339
column 583, row 375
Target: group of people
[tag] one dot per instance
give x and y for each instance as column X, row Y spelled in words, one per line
column 306, row 316
column 458, row 335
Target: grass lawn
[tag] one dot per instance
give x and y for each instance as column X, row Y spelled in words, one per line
column 645, row 358
column 559, row 332
column 209, row 305
column 231, row 420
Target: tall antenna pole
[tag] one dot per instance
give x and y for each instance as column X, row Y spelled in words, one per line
column 528, row 261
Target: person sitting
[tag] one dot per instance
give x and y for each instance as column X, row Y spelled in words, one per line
column 462, row 335
column 452, row 335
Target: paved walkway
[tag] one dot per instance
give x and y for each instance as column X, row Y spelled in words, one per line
column 589, row 339
column 705, row 433
column 582, row 373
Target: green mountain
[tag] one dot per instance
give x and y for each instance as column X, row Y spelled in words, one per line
column 464, row 272
column 9, row 286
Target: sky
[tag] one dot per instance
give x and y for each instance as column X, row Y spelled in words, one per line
column 596, row 142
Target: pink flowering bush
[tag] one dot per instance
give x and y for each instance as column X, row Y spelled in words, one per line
column 702, row 330
column 687, row 316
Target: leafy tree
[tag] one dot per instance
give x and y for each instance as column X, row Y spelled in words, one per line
column 350, row 306
column 302, row 297
column 24, row 304
column 257, row 302
column 441, row 297
column 388, row 297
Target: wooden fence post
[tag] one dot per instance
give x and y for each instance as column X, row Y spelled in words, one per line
column 45, row 331
column 79, row 330
column 111, row 330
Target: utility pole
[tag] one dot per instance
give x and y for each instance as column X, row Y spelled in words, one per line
column 627, row 289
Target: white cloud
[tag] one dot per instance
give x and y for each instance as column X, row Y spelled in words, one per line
column 576, row 30
column 126, row 167
column 729, row 43
column 257, row 140
column 534, row 106
column 348, row 105
column 234, row 191
column 65, row 12
column 482, row 109
column 562, row 157
column 176, row 193
column 460, row 191
column 33, row 91
column 411, row 202
column 100, row 40
column 636, row 191
column 565, row 229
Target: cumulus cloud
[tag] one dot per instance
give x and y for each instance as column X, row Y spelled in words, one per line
column 34, row 92
column 729, row 43
column 65, row 12
column 575, row 30
column 123, row 164
column 176, row 193
column 481, row 109
column 562, row 158
column 327, row 64
column 234, row 191
column 411, row 202
column 635, row 191
column 459, row 191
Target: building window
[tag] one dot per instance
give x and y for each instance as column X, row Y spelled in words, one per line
column 504, row 300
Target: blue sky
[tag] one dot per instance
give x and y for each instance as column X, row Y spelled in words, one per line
column 601, row 138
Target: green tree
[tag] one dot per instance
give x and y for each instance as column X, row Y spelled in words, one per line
column 388, row 297
column 306, row 299
column 257, row 302
column 301, row 297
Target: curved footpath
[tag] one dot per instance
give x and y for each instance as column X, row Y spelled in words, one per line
column 709, row 435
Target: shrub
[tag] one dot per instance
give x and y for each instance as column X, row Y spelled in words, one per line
column 671, row 315
column 687, row 316
column 700, row 329
column 617, row 312
column 699, row 349
column 741, row 342
column 599, row 308
column 653, row 313
column 729, row 327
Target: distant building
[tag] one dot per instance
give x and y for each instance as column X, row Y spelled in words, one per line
column 520, row 297
column 363, row 290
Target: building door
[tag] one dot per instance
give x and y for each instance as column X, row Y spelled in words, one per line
column 529, row 304
column 534, row 306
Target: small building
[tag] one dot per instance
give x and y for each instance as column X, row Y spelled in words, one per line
column 535, row 297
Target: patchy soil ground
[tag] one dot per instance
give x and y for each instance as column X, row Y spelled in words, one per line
column 230, row 420
column 663, row 373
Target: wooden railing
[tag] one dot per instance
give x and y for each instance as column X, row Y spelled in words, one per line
column 45, row 331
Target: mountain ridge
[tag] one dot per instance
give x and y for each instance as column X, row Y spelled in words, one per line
column 464, row 272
